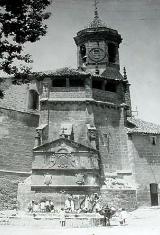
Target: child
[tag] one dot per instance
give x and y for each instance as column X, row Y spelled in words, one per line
column 62, row 217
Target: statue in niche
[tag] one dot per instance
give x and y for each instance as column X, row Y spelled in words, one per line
column 79, row 179
column 47, row 179
column 87, row 204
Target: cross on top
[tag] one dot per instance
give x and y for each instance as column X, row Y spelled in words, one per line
column 63, row 130
column 96, row 8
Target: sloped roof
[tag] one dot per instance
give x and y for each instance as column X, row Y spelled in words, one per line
column 61, row 72
column 143, row 127
column 112, row 73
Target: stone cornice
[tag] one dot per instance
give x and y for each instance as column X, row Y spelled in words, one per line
column 81, row 101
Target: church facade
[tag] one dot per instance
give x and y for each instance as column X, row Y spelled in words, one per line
column 71, row 131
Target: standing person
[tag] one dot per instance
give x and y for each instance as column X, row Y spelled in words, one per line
column 47, row 205
column 62, row 217
column 30, row 206
column 51, row 206
column 122, row 216
column 107, row 216
column 42, row 206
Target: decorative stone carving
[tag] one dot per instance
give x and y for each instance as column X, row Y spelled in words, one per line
column 66, row 131
column 47, row 179
column 37, row 139
column 92, row 132
column 79, row 178
column 62, row 160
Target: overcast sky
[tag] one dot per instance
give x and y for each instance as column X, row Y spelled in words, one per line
column 138, row 21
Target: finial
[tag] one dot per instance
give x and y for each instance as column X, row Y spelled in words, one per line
column 96, row 9
column 96, row 22
column 124, row 73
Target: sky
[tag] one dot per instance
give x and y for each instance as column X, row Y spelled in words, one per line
column 138, row 21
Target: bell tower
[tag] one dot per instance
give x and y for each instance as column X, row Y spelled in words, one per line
column 97, row 46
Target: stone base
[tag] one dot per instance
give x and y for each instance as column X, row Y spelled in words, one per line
column 118, row 198
column 50, row 220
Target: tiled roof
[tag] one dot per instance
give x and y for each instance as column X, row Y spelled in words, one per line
column 143, row 127
column 112, row 73
column 61, row 72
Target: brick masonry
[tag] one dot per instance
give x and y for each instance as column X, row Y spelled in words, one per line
column 8, row 189
column 145, row 161
column 17, row 140
column 120, row 198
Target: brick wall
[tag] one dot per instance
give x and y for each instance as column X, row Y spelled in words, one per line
column 75, row 113
column 106, row 96
column 145, row 159
column 65, row 92
column 120, row 198
column 112, row 138
column 8, row 189
column 16, row 139
column 15, row 96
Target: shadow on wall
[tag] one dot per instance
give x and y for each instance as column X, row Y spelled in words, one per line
column 33, row 102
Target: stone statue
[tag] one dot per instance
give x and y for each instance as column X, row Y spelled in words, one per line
column 69, row 204
column 47, row 179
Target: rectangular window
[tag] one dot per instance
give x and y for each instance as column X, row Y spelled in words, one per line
column 76, row 83
column 153, row 140
column 97, row 84
column 110, row 86
column 59, row 82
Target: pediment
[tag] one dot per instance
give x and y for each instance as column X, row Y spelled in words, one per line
column 63, row 145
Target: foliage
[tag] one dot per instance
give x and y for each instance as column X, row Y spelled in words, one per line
column 21, row 21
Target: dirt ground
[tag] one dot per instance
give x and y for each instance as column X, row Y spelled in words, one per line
column 144, row 221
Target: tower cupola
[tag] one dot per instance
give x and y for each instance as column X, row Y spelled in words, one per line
column 97, row 46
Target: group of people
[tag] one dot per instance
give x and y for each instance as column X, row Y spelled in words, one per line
column 43, row 206
column 89, row 204
column 107, row 215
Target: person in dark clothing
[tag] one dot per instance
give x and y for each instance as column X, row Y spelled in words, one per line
column 107, row 216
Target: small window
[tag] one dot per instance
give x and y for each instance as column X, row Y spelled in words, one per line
column 97, row 84
column 153, row 140
column 112, row 51
column 59, row 82
column 76, row 83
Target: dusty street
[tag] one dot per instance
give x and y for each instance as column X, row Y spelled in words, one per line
column 142, row 221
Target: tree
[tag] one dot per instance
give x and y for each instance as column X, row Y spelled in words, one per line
column 21, row 21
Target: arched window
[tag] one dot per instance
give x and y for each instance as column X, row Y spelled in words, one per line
column 59, row 82
column 33, row 100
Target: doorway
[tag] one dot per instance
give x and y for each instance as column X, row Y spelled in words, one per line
column 154, row 194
